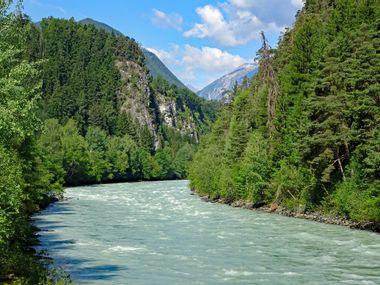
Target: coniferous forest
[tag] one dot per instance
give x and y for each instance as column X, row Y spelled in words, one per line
column 78, row 106
column 305, row 133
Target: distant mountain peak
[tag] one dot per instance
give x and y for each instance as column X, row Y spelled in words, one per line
column 218, row 89
column 100, row 25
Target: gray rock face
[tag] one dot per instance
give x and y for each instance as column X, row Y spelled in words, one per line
column 218, row 89
column 136, row 99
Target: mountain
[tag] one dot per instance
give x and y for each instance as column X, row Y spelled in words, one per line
column 100, row 25
column 156, row 67
column 217, row 89
column 100, row 89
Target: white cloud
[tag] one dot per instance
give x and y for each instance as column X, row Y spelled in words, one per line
column 165, row 56
column 243, row 3
column 165, row 20
column 236, row 22
column 199, row 66
column 210, row 59
column 213, row 26
column 229, row 25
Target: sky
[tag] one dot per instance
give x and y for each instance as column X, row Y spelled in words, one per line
column 199, row 40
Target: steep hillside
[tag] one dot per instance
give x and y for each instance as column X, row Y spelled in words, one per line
column 154, row 64
column 220, row 88
column 304, row 135
column 96, row 85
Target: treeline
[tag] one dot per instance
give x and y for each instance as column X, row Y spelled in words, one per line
column 22, row 187
column 68, row 158
column 305, row 134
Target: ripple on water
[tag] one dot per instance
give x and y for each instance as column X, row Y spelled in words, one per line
column 121, row 249
column 237, row 273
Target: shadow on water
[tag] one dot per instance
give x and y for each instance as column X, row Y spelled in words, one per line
column 81, row 269
column 96, row 272
column 47, row 226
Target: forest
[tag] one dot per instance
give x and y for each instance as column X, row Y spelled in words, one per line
column 78, row 106
column 305, row 134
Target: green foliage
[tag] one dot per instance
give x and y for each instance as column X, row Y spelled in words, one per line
column 24, row 183
column 254, row 171
column 292, row 185
column 11, row 194
column 80, row 78
column 72, row 159
column 324, row 152
column 51, row 154
column 183, row 158
column 204, row 174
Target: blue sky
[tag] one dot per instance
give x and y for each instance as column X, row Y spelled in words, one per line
column 199, row 40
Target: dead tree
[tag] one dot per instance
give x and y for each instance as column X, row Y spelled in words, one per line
column 269, row 78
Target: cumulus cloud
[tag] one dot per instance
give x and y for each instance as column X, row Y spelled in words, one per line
column 210, row 59
column 237, row 22
column 189, row 63
column 213, row 26
column 165, row 20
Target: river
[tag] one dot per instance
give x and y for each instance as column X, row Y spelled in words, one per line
column 158, row 233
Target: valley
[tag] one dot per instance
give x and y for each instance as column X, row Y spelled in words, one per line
column 115, row 172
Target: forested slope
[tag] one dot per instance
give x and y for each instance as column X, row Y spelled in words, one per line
column 305, row 135
column 107, row 119
column 154, row 64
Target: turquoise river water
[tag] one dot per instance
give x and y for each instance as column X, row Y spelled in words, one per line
column 158, row 233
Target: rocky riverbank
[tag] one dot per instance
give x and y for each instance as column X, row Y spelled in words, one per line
column 298, row 213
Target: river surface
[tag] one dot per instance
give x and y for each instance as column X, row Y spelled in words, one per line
column 158, row 233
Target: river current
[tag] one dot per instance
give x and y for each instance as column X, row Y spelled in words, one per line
column 158, row 233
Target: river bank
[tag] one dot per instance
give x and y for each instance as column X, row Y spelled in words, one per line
column 296, row 213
